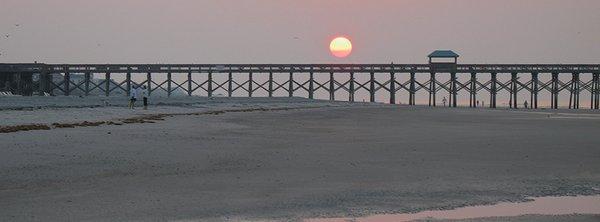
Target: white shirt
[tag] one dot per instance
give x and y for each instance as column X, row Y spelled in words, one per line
column 133, row 93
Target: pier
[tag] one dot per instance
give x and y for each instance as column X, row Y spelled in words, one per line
column 479, row 81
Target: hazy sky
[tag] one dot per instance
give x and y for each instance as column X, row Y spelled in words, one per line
column 298, row 31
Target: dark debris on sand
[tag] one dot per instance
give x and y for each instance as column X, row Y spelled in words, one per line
column 134, row 120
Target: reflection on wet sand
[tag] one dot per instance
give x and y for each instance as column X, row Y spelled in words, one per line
column 539, row 206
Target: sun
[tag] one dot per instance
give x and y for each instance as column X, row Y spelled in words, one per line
column 340, row 47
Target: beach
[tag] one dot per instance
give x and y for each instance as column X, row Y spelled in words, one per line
column 284, row 159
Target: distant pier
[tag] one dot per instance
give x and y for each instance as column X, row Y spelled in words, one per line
column 375, row 79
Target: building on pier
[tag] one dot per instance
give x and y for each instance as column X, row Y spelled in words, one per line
column 443, row 57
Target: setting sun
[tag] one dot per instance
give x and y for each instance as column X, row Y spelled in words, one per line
column 340, row 47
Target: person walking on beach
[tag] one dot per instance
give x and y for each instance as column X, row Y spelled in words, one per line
column 132, row 97
column 145, row 97
column 477, row 103
column 526, row 104
column 444, row 101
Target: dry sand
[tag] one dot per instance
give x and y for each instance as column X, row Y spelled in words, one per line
column 338, row 160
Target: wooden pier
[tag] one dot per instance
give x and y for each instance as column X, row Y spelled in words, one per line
column 376, row 79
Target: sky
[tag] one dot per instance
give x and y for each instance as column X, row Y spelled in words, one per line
column 298, row 31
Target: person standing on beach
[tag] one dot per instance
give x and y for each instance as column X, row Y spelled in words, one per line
column 132, row 97
column 444, row 101
column 526, row 104
column 145, row 97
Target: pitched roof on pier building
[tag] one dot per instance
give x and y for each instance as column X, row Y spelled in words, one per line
column 443, row 56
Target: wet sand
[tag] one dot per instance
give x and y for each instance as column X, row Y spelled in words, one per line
column 556, row 206
column 296, row 164
column 536, row 218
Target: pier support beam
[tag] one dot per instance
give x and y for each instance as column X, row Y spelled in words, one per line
column 372, row 88
column 311, row 86
column 534, row 90
column 128, row 84
column 43, row 83
column 574, row 92
column 351, row 88
column 67, row 82
column 514, row 90
column 331, row 87
column 577, row 90
column 453, row 91
column 230, row 84
column 169, row 81
column 473, row 91
column 189, row 84
column 291, row 85
column 271, row 84
column 411, row 93
column 250, row 84
column 493, row 90
column 210, row 87
column 597, row 90
column 107, row 84
column 593, row 92
column 392, row 88
column 595, row 103
column 149, row 83
column 87, row 83
column 554, row 93
column 432, row 89
column 19, row 82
